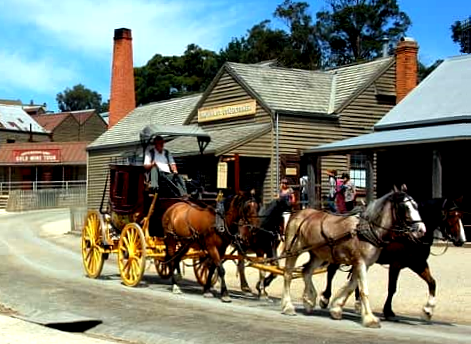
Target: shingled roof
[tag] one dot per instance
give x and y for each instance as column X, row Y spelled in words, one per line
column 173, row 111
column 289, row 90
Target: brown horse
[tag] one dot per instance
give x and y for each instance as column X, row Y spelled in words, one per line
column 351, row 240
column 263, row 239
column 190, row 225
column 438, row 214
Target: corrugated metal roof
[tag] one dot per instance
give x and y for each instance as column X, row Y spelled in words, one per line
column 443, row 96
column 126, row 131
column 50, row 121
column 71, row 153
column 398, row 137
column 13, row 117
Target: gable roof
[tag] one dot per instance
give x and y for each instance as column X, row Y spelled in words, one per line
column 297, row 91
column 13, row 117
column 441, row 97
column 126, row 131
column 50, row 121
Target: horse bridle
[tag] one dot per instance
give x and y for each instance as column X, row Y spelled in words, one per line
column 444, row 222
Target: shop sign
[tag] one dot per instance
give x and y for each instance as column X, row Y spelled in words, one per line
column 36, row 156
column 222, row 175
column 291, row 171
column 228, row 111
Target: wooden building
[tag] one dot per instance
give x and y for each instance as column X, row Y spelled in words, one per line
column 17, row 126
column 260, row 118
column 84, row 125
column 422, row 142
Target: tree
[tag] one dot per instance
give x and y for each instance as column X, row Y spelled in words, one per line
column 303, row 50
column 80, row 98
column 461, row 34
column 353, row 30
column 164, row 77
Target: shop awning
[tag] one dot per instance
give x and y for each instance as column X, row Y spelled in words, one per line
column 398, row 137
column 43, row 153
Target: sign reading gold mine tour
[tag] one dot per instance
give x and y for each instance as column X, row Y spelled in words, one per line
column 228, row 111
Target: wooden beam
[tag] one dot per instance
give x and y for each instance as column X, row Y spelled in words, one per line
column 236, row 173
column 436, row 175
column 369, row 178
column 314, row 182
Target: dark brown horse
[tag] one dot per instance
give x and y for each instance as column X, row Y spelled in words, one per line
column 263, row 239
column 351, row 240
column 192, row 226
column 438, row 214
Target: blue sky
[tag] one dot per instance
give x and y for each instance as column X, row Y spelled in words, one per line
column 46, row 46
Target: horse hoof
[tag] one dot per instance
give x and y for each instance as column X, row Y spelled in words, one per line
column 246, row 290
column 288, row 310
column 358, row 306
column 389, row 315
column 336, row 313
column 428, row 312
column 176, row 289
column 308, row 305
column 226, row 299
column 372, row 322
column 208, row 295
column 323, row 302
column 178, row 277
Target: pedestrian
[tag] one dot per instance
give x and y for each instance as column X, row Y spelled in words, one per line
column 286, row 193
column 349, row 191
column 332, row 179
column 340, row 196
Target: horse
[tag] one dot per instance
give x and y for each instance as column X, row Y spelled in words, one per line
column 353, row 240
column 190, row 225
column 263, row 240
column 438, row 214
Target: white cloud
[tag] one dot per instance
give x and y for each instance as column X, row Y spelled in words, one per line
column 41, row 75
column 164, row 26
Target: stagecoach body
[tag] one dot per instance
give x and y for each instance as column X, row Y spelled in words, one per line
column 130, row 225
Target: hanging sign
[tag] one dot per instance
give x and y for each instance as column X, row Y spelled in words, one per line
column 228, row 111
column 222, row 175
column 37, row 156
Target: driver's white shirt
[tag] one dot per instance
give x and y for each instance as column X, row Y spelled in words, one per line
column 159, row 158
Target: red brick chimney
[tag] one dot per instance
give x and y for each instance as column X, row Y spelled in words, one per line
column 406, row 67
column 122, row 98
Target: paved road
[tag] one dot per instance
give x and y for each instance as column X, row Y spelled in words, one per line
column 41, row 276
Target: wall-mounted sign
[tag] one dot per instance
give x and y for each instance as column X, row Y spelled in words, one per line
column 37, row 156
column 222, row 175
column 291, row 171
column 228, row 111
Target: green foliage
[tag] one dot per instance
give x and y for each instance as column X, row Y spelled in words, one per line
column 80, row 98
column 458, row 31
column 164, row 77
column 353, row 30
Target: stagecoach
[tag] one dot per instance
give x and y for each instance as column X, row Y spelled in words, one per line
column 123, row 226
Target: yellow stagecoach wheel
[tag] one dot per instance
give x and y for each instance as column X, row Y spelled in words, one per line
column 201, row 269
column 92, row 245
column 132, row 254
column 162, row 269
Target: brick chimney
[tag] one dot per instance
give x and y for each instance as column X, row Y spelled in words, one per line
column 406, row 67
column 122, row 98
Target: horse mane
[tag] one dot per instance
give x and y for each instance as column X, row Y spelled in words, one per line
column 268, row 215
column 374, row 210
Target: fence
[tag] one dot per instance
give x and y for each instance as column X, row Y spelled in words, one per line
column 20, row 200
column 7, row 188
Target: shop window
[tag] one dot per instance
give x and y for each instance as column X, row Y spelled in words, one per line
column 358, row 170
